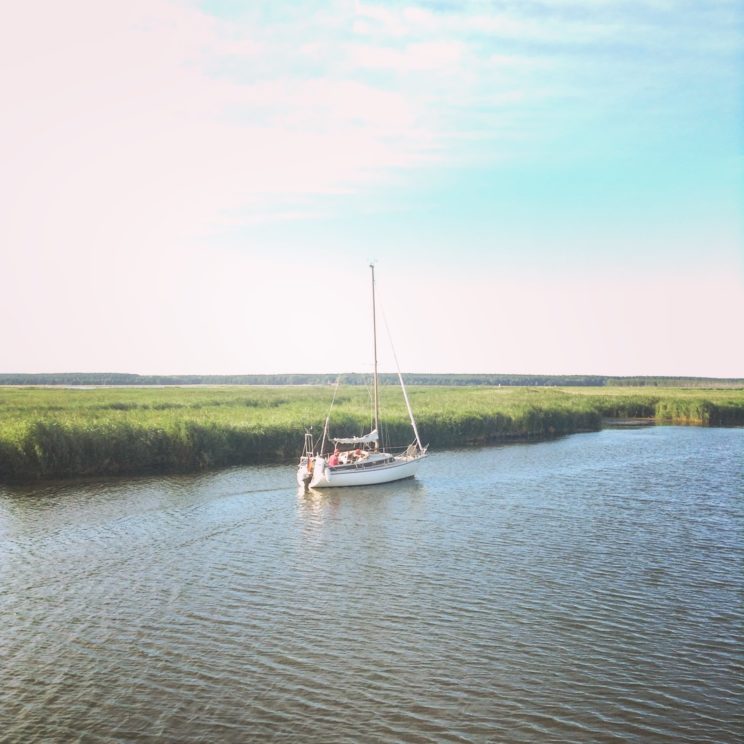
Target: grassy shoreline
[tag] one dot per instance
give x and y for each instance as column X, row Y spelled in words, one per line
column 62, row 433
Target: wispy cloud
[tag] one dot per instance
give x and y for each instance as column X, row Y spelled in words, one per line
column 122, row 125
column 133, row 135
column 321, row 99
column 435, row 56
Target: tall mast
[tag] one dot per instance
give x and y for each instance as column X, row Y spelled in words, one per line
column 374, row 336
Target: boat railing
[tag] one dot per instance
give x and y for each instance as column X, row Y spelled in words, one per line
column 410, row 452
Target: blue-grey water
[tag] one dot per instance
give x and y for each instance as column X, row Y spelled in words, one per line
column 587, row 589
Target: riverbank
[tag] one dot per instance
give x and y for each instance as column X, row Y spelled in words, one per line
column 59, row 433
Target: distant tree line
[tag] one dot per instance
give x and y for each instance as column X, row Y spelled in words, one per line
column 354, row 378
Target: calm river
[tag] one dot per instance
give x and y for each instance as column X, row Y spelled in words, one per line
column 587, row 589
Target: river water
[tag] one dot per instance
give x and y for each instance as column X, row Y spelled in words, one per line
column 587, row 589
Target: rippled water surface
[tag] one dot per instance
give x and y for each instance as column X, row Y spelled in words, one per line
column 586, row 589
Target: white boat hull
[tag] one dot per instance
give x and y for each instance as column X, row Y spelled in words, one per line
column 371, row 474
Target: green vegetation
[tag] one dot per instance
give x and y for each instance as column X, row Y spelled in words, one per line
column 51, row 433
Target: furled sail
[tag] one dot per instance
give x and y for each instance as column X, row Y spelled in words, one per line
column 366, row 439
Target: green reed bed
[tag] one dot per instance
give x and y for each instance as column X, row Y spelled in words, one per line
column 51, row 433
column 707, row 407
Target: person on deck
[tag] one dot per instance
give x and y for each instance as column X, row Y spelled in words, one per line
column 333, row 459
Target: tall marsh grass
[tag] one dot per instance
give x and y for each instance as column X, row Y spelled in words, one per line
column 53, row 433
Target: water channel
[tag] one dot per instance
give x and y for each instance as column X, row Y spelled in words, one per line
column 587, row 589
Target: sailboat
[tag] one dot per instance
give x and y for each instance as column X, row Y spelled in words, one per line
column 360, row 461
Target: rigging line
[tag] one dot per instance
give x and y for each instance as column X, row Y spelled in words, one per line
column 400, row 377
column 328, row 417
column 368, row 388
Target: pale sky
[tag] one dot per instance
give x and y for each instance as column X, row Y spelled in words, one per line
column 547, row 186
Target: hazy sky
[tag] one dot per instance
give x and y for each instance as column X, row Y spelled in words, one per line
column 547, row 186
